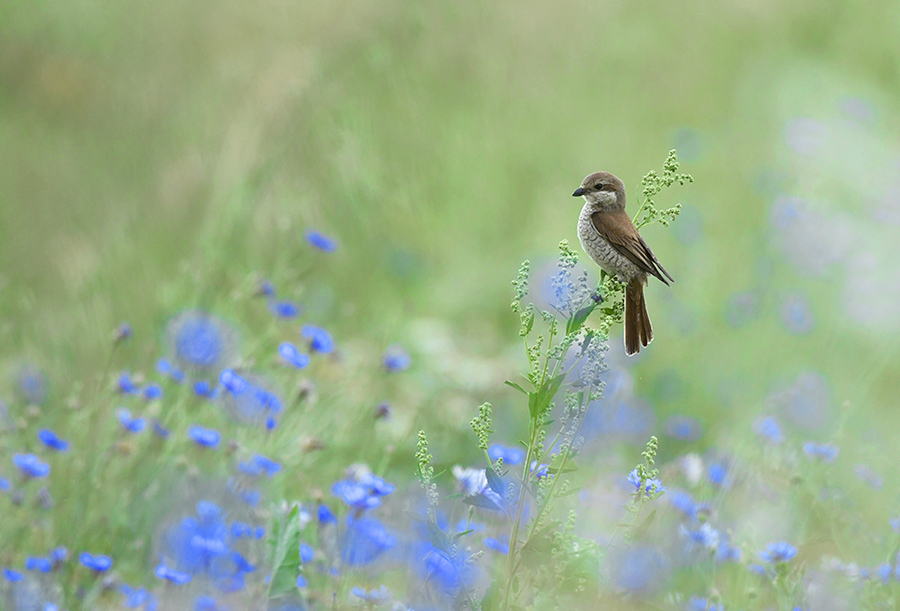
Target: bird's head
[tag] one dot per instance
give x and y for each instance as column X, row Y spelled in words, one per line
column 602, row 190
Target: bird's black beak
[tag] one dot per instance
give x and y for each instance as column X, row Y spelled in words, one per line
column 578, row 192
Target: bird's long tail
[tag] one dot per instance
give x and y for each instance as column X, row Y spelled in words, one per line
column 638, row 331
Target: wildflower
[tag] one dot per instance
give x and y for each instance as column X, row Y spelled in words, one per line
column 884, row 571
column 130, row 424
column 202, row 388
column 32, row 384
column 725, row 552
column 306, row 553
column 293, row 356
column 640, row 569
column 796, row 315
column 362, row 490
column 126, row 385
column 320, row 241
column 325, row 515
column 364, row 541
column 301, row 581
column 473, row 483
column 376, row 597
column 12, row 576
column 4, row 485
column 248, row 399
column 152, row 392
column 208, row 438
column 683, row 428
column 138, row 598
column 38, row 563
column 319, row 339
column 768, row 427
column 500, row 545
column 284, row 308
column 30, row 465
column 651, row 486
column 96, row 562
column 825, row 452
column 718, row 474
column 266, row 288
column 778, row 552
column 396, row 359
column 870, row 477
column 124, row 331
column 705, row 535
column 513, row 455
column 49, row 439
column 685, row 503
column 201, row 545
column 171, row 575
column 159, row 430
column 59, row 554
column 200, row 340
column 258, row 465
column 697, row 603
column 167, row 369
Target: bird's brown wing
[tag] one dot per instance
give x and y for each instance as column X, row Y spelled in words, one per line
column 616, row 227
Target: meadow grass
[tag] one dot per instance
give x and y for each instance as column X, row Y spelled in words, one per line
column 168, row 159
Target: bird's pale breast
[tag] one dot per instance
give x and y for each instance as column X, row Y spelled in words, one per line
column 601, row 251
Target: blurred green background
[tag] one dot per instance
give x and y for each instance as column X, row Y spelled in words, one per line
column 159, row 156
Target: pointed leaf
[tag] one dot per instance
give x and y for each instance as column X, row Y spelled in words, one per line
column 516, row 386
column 479, row 500
column 285, row 544
column 494, row 481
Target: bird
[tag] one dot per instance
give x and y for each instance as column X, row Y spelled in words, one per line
column 609, row 237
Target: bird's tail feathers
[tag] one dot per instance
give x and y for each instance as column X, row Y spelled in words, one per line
column 638, row 331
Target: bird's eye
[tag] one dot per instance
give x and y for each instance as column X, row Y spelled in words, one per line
column 600, row 186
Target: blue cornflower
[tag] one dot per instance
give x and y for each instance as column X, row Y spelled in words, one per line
column 705, row 535
column 30, row 465
column 266, row 288
column 685, row 503
column 4, row 485
column 126, row 385
column 267, row 464
column 12, row 575
column 202, row 388
column 301, row 581
column 500, row 545
column 884, row 572
column 321, row 241
column 364, row 541
column 284, row 308
column 768, row 427
column 651, row 486
column 473, row 483
column 292, row 356
column 124, row 331
column 159, row 430
column 201, row 544
column 138, row 598
column 247, row 399
column 96, row 562
column 725, row 552
column 38, row 563
column 49, row 439
column 373, row 596
column 319, row 339
column 697, row 603
column 171, row 575
column 207, row 438
column 32, row 384
column 355, row 495
column 825, row 452
column 778, row 552
column 306, row 553
column 396, row 359
column 59, row 554
column 512, row 455
column 152, row 392
column 166, row 368
column 325, row 515
column 684, row 428
column 130, row 424
column 640, row 569
column 200, row 340
column 718, row 474
column 895, row 524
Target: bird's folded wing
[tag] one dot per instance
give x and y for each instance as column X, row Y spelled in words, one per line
column 616, row 227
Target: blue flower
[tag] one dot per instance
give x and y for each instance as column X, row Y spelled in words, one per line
column 651, row 486
column 38, row 563
column 306, row 553
column 778, row 552
column 138, row 598
column 208, row 438
column 705, row 535
column 325, row 515
column 639, row 569
column 59, row 554
column 202, row 388
column 301, row 581
column 200, row 340
column 685, row 503
column 362, row 492
column 159, row 430
column 373, row 596
column 132, row 425
column 768, row 427
column 124, row 331
column 320, row 241
column 696, row 603
column 152, row 392
column 396, row 359
column 319, row 339
column 30, row 465
column 500, row 545
column 796, row 315
column 126, row 385
column 53, row 442
column 171, row 575
column 166, row 368
column 512, row 455
column 4, row 485
column 825, row 452
column 364, row 541
column 684, row 428
column 284, row 308
column 247, row 399
column 32, row 384
column 266, row 288
column 718, row 474
column 96, row 562
column 726, row 552
column 292, row 356
column 201, row 545
column 12, row 576
column 870, row 477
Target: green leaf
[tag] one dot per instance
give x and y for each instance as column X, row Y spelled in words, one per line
column 568, row 492
column 494, row 481
column 285, row 546
column 538, row 402
column 516, row 386
column 577, row 320
column 491, row 600
column 569, row 468
column 438, row 537
column 479, row 500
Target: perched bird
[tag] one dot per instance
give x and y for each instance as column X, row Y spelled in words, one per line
column 609, row 237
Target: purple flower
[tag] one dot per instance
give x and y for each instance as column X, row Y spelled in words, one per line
column 96, row 562
column 396, row 359
column 30, row 465
column 320, row 241
column 207, row 438
column 512, row 455
column 292, row 356
column 778, row 552
column 825, row 452
column 132, row 425
column 49, row 439
column 319, row 339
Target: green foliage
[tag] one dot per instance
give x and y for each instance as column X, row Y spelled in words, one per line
column 653, row 184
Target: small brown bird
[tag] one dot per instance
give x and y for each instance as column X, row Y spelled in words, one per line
column 609, row 237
